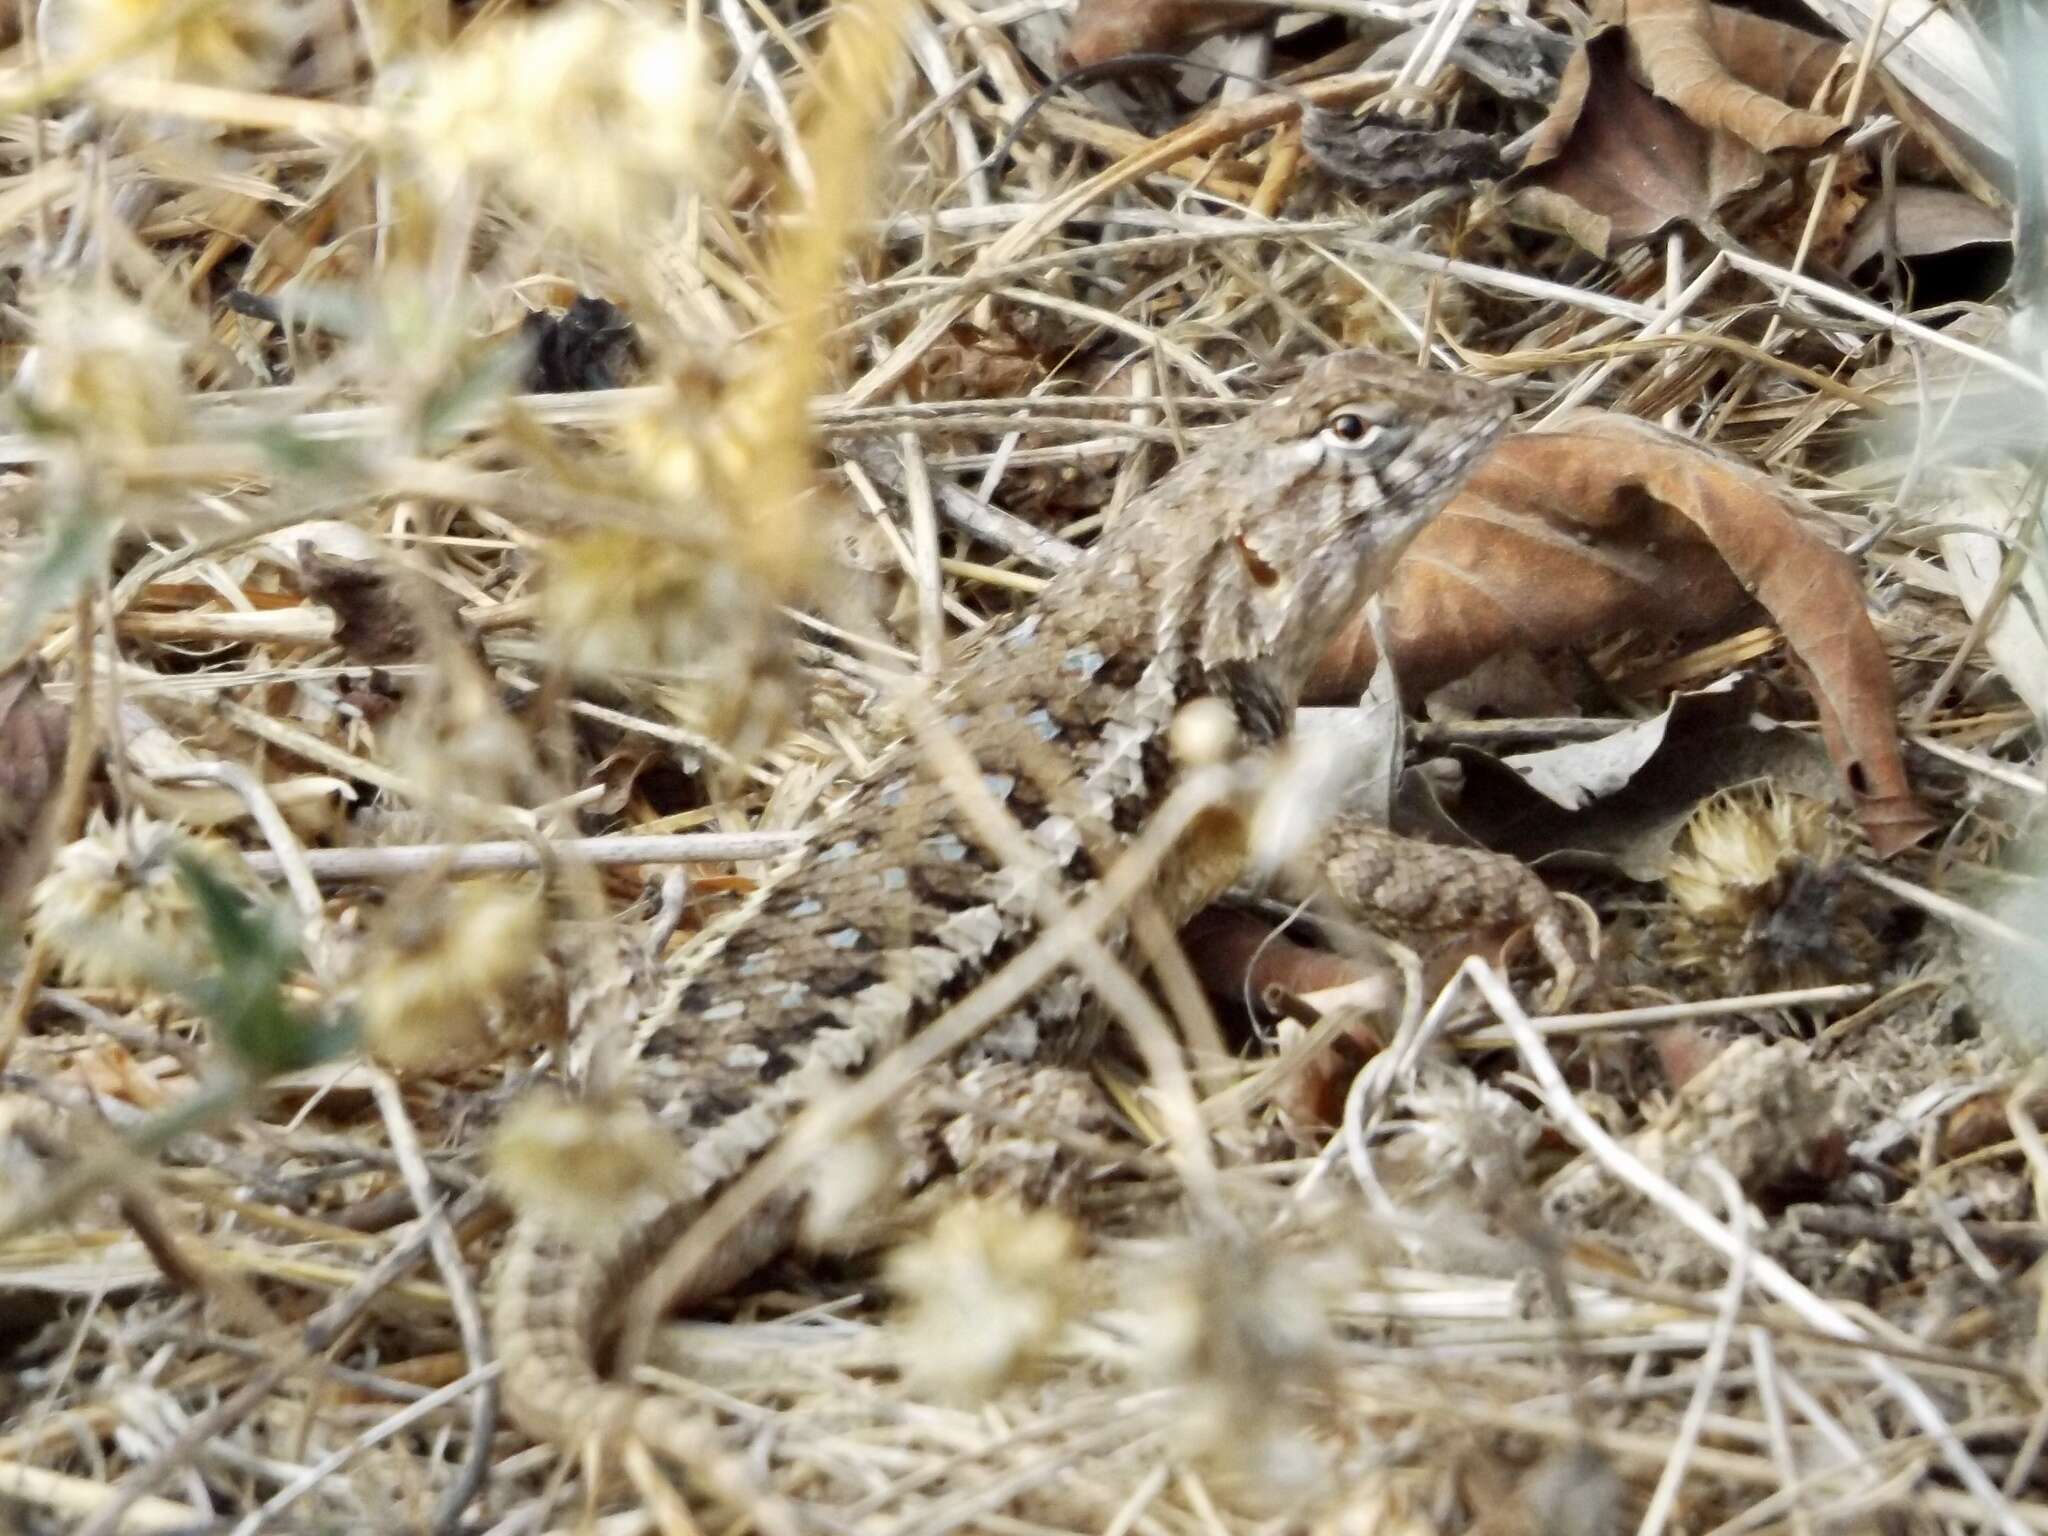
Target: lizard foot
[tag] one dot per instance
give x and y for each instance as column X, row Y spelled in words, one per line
column 1406, row 887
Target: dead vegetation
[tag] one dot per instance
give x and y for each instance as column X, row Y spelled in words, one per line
column 471, row 472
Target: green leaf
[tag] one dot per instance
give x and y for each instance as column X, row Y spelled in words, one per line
column 454, row 404
column 289, row 452
column 72, row 551
column 245, row 1002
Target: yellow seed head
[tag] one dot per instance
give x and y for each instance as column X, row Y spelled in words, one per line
column 229, row 42
column 578, row 1167
column 104, row 370
column 1740, row 844
column 984, row 1293
column 596, row 118
column 459, row 976
column 621, row 601
column 1760, row 895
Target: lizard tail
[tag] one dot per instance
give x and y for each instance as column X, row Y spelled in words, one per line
column 554, row 1299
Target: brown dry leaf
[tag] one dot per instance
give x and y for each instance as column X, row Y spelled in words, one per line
column 378, row 613
column 33, row 732
column 1923, row 221
column 1686, row 1050
column 1237, row 957
column 1664, row 120
column 1605, row 522
column 1726, row 69
column 1613, row 163
column 1518, row 561
column 1106, row 29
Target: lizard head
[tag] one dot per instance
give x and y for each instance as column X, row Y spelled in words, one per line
column 1317, row 492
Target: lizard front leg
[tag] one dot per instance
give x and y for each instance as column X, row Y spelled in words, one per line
column 1403, row 886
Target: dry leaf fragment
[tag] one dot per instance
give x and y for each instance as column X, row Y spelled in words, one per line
column 1620, row 802
column 1613, row 163
column 1669, row 117
column 1923, row 221
column 1811, row 589
column 1105, row 29
column 378, row 613
column 33, row 732
column 1239, row 958
column 1936, row 56
column 1603, row 522
column 1985, row 513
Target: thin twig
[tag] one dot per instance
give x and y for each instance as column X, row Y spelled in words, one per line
column 334, row 865
column 462, row 1299
column 319, row 1332
column 1771, row 1277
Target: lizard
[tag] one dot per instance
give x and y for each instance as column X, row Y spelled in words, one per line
column 1224, row 581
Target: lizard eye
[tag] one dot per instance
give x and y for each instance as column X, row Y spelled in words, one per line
column 1350, row 429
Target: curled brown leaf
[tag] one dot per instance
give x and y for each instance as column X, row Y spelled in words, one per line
column 1238, row 958
column 1613, row 163
column 1923, row 221
column 1667, row 116
column 1604, row 522
column 1732, row 72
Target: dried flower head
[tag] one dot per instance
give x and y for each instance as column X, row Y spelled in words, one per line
column 621, row 602
column 226, row 42
column 460, row 976
column 581, row 1167
column 721, row 470
column 114, row 911
column 594, row 116
column 1392, row 1501
column 104, row 371
column 984, row 1293
column 1759, row 881
column 1243, row 1330
column 703, row 599
column 1452, row 1130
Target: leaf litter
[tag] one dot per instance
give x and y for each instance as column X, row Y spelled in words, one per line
column 433, row 436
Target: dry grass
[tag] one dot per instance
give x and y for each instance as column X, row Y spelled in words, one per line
column 1504, row 1297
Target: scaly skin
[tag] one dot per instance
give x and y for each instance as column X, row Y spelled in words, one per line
column 1227, row 579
